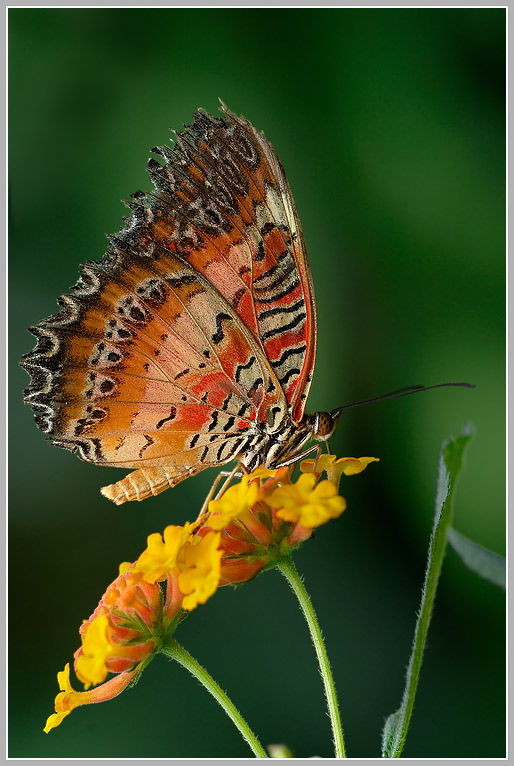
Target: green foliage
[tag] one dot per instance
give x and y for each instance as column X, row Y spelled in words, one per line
column 484, row 562
column 450, row 465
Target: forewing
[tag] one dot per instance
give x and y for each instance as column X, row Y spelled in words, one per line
column 224, row 204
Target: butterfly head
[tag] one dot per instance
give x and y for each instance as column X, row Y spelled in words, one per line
column 321, row 424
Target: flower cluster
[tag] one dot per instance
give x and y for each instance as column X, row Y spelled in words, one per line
column 124, row 630
column 249, row 528
column 266, row 515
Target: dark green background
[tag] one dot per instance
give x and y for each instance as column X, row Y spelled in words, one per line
column 391, row 126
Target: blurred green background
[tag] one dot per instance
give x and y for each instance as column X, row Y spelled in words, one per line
column 391, row 126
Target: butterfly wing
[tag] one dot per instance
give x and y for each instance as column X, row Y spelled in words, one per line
column 224, row 186
column 198, row 323
column 148, row 366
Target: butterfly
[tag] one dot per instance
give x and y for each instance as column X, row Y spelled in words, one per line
column 192, row 342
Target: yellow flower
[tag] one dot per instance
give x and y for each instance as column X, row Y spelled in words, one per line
column 262, row 473
column 90, row 667
column 193, row 559
column 306, row 502
column 65, row 701
column 335, row 468
column 161, row 555
column 235, row 501
column 353, row 465
column 68, row 698
column 200, row 574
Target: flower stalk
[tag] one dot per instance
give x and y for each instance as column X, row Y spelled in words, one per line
column 288, row 569
column 175, row 651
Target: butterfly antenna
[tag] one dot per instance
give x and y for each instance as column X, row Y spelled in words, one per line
column 397, row 394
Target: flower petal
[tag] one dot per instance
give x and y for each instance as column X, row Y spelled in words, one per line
column 201, row 574
column 68, row 698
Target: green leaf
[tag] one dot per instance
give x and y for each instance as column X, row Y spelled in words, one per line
column 450, row 465
column 482, row 561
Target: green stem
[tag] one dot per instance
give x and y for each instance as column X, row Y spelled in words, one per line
column 290, row 572
column 172, row 649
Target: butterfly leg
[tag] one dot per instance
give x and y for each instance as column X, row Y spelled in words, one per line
column 230, row 475
column 295, row 458
column 318, row 453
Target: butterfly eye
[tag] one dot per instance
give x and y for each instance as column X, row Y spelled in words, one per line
column 324, row 425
